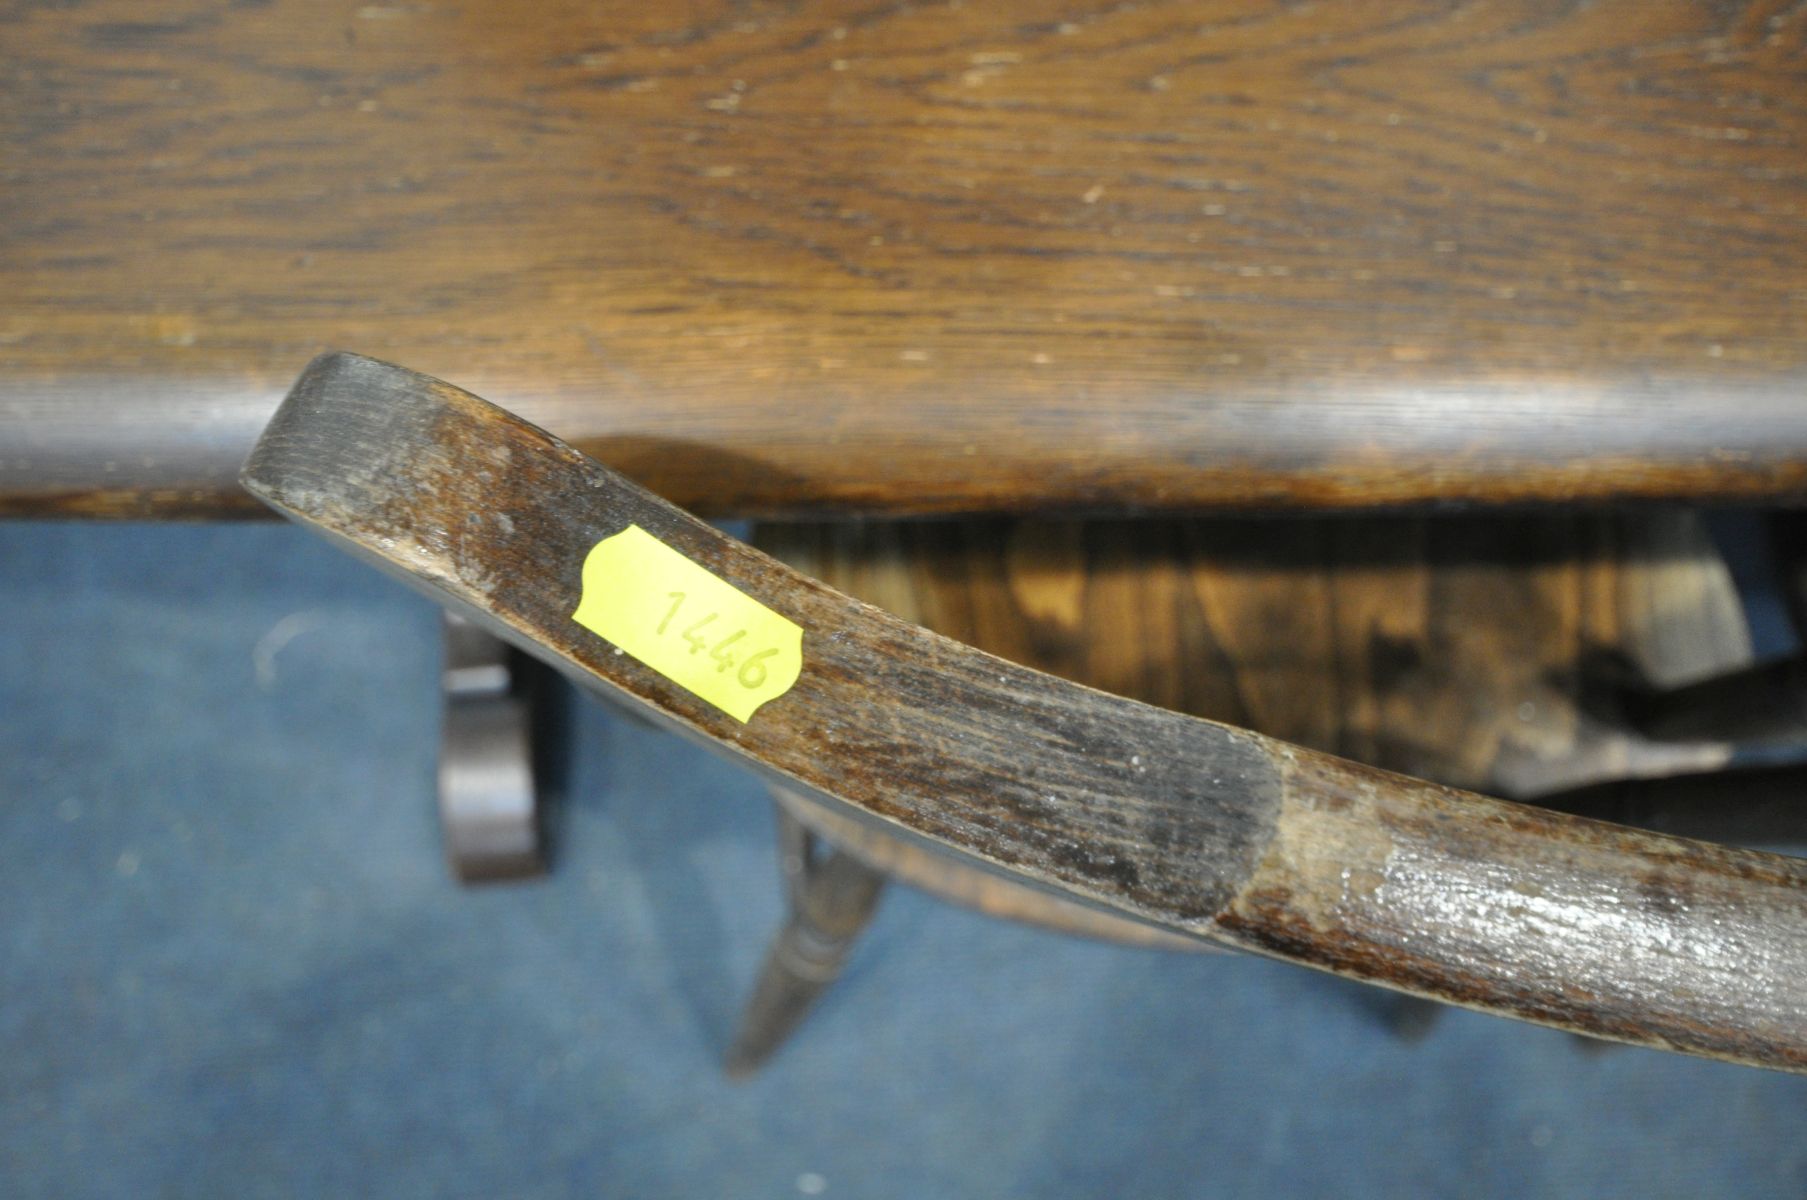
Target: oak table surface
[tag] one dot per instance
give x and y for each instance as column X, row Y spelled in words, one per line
column 923, row 258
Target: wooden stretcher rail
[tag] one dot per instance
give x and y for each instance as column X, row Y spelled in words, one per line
column 1185, row 824
column 923, row 258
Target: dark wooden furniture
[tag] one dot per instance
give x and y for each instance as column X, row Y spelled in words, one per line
column 1470, row 650
column 1184, row 824
column 1001, row 258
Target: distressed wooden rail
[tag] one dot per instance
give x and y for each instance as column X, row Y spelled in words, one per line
column 1186, row 824
column 890, row 257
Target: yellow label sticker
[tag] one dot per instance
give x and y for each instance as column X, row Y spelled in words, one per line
column 702, row 633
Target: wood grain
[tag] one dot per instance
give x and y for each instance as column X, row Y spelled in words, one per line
column 923, row 257
column 959, row 881
column 1191, row 825
column 1459, row 648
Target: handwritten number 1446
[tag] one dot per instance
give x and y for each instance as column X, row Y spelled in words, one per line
column 752, row 668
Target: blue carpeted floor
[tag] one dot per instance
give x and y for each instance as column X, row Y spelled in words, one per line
column 232, row 964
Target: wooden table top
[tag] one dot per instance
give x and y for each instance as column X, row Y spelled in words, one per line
column 923, row 258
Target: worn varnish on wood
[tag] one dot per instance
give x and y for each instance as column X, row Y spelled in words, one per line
column 912, row 258
column 1459, row 648
column 1182, row 823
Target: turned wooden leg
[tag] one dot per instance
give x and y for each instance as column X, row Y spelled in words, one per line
column 831, row 897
